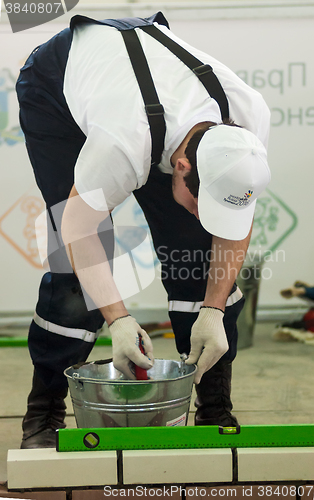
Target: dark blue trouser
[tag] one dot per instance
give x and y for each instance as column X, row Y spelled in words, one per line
column 53, row 142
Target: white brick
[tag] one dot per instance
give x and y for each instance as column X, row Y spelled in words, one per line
column 177, row 466
column 276, row 464
column 47, row 468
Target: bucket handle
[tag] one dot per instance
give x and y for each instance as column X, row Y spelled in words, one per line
column 79, row 384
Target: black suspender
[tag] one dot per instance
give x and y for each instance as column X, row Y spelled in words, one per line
column 153, row 107
column 204, row 72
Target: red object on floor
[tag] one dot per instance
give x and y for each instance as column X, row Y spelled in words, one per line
column 308, row 318
column 140, row 373
column 165, row 324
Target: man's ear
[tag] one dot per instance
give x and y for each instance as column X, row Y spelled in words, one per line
column 183, row 165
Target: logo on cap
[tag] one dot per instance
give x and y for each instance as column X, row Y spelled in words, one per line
column 238, row 200
column 249, row 193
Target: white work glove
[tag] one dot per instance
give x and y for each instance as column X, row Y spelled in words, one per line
column 208, row 341
column 126, row 335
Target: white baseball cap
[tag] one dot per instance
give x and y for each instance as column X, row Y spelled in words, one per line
column 233, row 171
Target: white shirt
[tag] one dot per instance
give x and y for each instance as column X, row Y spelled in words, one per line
column 105, row 101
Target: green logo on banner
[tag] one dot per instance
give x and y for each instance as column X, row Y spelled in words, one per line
column 273, row 222
column 9, row 135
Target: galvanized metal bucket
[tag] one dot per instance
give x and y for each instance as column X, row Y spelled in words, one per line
column 101, row 396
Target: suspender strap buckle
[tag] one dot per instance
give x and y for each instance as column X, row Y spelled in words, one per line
column 204, row 72
column 203, row 69
column 154, row 109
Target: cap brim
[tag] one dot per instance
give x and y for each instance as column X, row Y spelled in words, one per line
column 222, row 221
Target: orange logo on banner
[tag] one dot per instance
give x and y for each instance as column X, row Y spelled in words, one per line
column 17, row 226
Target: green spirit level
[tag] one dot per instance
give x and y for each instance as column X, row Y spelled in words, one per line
column 153, row 438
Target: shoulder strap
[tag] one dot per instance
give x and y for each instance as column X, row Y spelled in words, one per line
column 125, row 23
column 153, row 108
column 203, row 71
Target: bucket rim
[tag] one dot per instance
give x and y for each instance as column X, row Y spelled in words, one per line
column 124, row 381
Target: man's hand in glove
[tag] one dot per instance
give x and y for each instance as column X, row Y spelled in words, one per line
column 126, row 335
column 208, row 341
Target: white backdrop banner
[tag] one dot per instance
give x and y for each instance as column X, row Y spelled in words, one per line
column 273, row 56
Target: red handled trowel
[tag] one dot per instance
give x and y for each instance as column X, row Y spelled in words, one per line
column 141, row 373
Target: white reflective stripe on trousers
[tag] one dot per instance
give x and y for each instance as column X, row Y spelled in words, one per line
column 75, row 333
column 194, row 307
